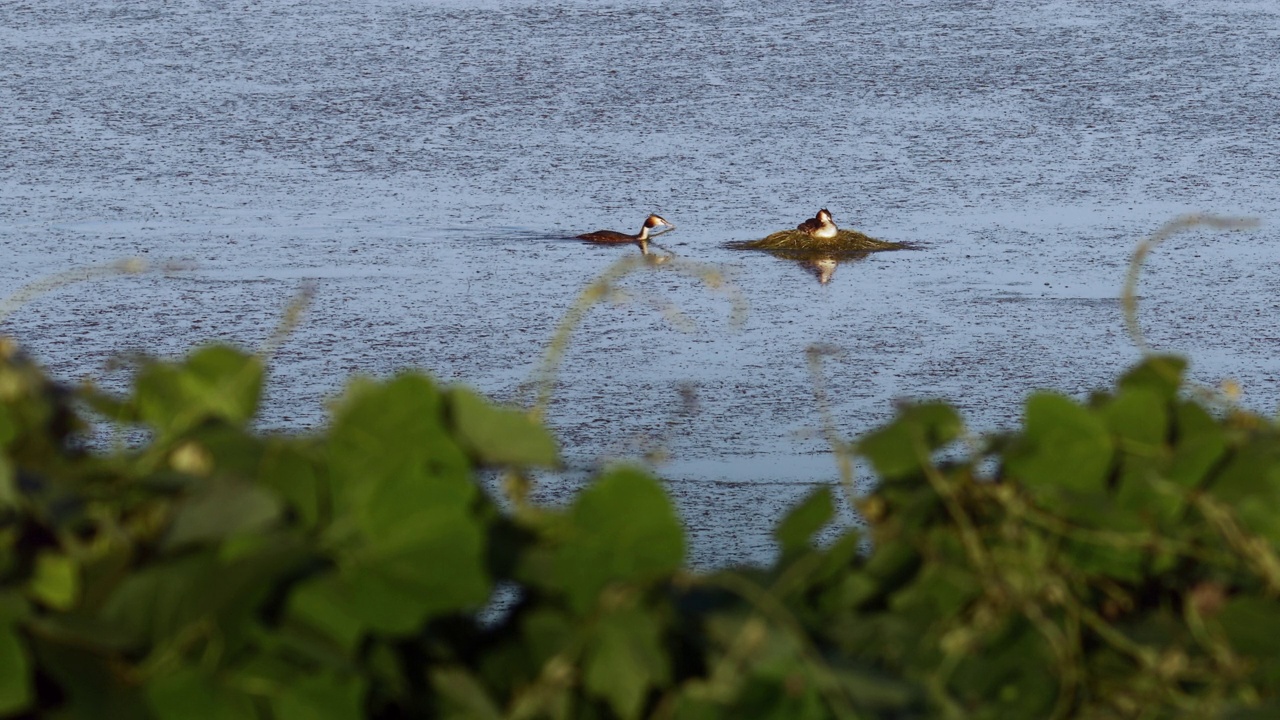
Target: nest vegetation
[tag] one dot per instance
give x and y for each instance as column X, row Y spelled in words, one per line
column 797, row 241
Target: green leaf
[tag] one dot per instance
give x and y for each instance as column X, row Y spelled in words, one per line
column 467, row 695
column 365, row 602
column 8, row 488
column 15, row 672
column 8, row 426
column 546, row 631
column 1200, row 445
column 939, row 591
column 294, row 476
column 1250, row 481
column 697, row 702
column 624, row 659
column 156, row 602
column 14, row 607
column 880, row 693
column 214, row 382
column 221, row 509
column 1252, row 625
column 160, row 602
column 797, row 529
column 440, row 563
column 893, row 562
column 326, row 696
column 56, row 581
column 88, row 682
column 1147, row 497
column 841, row 557
column 392, row 457
column 500, row 436
column 1140, row 416
column 395, row 588
column 1121, row 562
column 621, row 529
column 321, row 604
column 189, row 694
column 1065, row 447
column 903, row 447
column 1160, row 374
column 1139, row 419
column 1238, row 479
column 398, row 474
column 1012, row 676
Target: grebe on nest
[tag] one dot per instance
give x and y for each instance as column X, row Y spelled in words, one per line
column 820, row 226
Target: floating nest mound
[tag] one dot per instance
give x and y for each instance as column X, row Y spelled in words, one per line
column 796, row 242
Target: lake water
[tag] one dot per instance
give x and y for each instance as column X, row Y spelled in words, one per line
column 420, row 164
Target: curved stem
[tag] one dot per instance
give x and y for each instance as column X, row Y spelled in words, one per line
column 1129, row 296
column 31, row 291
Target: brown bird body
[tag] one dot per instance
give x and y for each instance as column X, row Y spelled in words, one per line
column 613, row 237
column 820, row 225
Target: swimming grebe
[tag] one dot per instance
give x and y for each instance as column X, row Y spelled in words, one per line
column 820, row 226
column 612, row 237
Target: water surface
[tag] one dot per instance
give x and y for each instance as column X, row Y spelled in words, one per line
column 421, row 163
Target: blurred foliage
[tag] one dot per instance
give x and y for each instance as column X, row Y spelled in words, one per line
column 1113, row 559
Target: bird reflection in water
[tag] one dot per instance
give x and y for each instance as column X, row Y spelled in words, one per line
column 819, row 264
column 655, row 258
column 821, row 268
